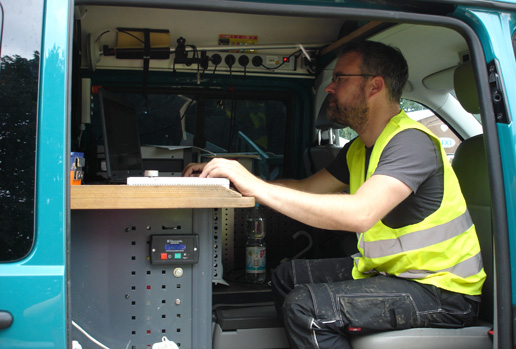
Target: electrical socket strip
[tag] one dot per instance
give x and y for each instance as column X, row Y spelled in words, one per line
column 256, row 62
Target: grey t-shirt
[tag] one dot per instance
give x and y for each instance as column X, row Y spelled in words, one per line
column 412, row 157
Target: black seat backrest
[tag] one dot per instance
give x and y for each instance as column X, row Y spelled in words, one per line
column 320, row 155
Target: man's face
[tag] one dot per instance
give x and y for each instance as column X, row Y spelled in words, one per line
column 347, row 95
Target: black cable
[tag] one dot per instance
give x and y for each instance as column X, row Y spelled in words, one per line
column 195, row 53
column 101, row 35
column 127, row 33
column 232, row 125
column 212, row 76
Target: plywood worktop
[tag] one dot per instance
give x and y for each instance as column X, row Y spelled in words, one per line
column 88, row 197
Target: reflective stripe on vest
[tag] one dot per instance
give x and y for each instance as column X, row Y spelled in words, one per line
column 417, row 239
column 442, row 250
column 463, row 269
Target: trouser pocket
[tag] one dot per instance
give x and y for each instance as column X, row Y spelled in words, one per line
column 377, row 312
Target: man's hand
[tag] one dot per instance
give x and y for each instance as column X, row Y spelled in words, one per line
column 193, row 169
column 243, row 180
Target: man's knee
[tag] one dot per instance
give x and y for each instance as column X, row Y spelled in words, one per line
column 304, row 328
column 298, row 316
column 298, row 303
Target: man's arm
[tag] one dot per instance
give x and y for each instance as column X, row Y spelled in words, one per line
column 357, row 213
column 321, row 182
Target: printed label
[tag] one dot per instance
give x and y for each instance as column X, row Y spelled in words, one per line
column 255, row 260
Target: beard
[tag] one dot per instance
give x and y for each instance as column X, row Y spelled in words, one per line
column 352, row 114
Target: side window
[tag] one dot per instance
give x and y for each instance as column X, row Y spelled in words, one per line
column 422, row 114
column 425, row 116
column 254, row 131
column 345, row 135
column 229, row 123
column 19, row 70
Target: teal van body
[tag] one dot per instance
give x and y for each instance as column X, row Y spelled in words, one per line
column 34, row 287
column 38, row 284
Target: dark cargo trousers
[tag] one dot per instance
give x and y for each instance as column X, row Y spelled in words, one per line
column 322, row 305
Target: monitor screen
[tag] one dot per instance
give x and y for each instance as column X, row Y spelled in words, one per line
column 121, row 139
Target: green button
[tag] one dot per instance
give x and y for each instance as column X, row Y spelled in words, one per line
column 177, row 255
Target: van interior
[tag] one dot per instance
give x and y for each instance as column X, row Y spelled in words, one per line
column 189, row 84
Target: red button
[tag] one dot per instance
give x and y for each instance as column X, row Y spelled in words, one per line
column 164, row 256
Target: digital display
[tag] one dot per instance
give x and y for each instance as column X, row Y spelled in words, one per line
column 175, row 247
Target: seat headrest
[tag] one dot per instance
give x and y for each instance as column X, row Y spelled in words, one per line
column 322, row 123
column 466, row 88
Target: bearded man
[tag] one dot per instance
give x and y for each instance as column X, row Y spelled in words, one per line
column 419, row 262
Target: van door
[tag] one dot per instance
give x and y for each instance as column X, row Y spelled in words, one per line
column 33, row 147
column 496, row 33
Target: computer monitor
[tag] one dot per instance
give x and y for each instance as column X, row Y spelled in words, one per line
column 121, row 138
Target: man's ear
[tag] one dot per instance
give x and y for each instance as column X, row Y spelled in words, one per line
column 376, row 85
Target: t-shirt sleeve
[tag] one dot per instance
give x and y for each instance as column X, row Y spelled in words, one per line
column 338, row 168
column 410, row 156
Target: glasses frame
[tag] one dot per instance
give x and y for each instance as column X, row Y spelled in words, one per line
column 335, row 77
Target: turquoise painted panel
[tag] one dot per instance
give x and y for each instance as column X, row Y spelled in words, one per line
column 34, row 289
column 36, row 301
column 500, row 25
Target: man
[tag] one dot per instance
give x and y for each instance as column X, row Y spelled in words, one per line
column 419, row 263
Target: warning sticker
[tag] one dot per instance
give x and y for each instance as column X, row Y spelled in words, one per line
column 238, row 40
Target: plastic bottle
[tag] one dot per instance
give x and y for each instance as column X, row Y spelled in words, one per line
column 255, row 250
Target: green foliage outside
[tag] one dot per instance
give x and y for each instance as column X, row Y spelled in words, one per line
column 18, row 114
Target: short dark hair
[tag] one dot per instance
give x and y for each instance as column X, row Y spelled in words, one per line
column 383, row 60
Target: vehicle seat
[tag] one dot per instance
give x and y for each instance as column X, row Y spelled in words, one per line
column 470, row 165
column 320, row 155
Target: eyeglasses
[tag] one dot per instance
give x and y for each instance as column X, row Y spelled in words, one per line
column 336, row 77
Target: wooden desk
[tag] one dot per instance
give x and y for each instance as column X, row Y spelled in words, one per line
column 151, row 197
column 111, row 274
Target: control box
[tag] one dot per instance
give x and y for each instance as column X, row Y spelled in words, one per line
column 174, row 249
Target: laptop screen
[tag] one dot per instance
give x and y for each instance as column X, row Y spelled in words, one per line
column 121, row 139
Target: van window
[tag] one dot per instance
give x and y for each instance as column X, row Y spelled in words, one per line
column 449, row 140
column 425, row 116
column 217, row 123
column 19, row 70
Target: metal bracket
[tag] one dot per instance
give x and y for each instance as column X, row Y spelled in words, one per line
column 497, row 93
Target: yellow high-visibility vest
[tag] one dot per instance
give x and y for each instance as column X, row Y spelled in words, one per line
column 442, row 250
